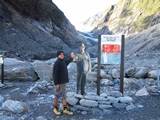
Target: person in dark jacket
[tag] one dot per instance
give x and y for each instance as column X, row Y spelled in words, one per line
column 60, row 75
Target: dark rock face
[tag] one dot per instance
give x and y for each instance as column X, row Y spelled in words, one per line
column 35, row 29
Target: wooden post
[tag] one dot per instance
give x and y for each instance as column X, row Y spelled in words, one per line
column 99, row 65
column 122, row 65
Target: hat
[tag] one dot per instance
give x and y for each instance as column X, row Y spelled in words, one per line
column 59, row 52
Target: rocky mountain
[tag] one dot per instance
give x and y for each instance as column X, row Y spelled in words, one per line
column 35, row 29
column 142, row 49
column 129, row 16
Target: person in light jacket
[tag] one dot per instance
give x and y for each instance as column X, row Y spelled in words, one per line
column 83, row 67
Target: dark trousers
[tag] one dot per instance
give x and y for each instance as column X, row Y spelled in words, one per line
column 81, row 82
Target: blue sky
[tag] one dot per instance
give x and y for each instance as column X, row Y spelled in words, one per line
column 77, row 11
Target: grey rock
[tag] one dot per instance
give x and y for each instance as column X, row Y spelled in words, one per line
column 105, row 102
column 82, row 108
column 141, row 73
column 18, row 70
column 112, row 99
column 97, row 111
column 107, row 111
column 72, row 100
column 44, row 69
column 15, row 106
column 72, row 71
column 133, row 84
column 115, row 93
column 70, row 94
column 88, row 103
column 2, row 85
column 84, row 112
column 140, row 106
column 94, row 97
column 130, row 107
column 152, row 74
column 142, row 92
column 41, row 118
column 3, row 117
column 39, row 87
column 115, row 73
column 103, row 106
column 153, row 90
column 23, row 117
column 103, row 74
column 104, row 95
column 107, row 82
column 125, row 99
column 93, row 119
column 79, row 96
column 120, row 105
column 130, row 72
column 1, row 100
column 15, row 90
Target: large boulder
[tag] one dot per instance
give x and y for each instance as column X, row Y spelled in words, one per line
column 72, row 71
column 44, row 69
column 125, row 99
column 130, row 72
column 142, row 92
column 15, row 106
column 153, row 74
column 72, row 100
column 141, row 73
column 18, row 70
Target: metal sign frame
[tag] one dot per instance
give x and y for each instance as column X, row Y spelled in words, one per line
column 121, row 65
column 2, row 68
column 158, row 77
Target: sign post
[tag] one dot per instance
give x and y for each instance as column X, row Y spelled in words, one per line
column 111, row 51
column 99, row 66
column 2, row 68
column 122, row 65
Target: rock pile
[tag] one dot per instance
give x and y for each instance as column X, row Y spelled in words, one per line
column 103, row 102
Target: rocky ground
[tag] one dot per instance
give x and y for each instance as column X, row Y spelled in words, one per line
column 28, row 93
column 33, row 101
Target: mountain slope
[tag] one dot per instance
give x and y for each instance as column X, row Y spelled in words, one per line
column 130, row 16
column 35, row 29
column 142, row 49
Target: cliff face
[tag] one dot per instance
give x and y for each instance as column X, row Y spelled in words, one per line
column 142, row 49
column 35, row 29
column 130, row 16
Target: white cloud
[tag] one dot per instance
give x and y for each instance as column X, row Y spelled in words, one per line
column 78, row 11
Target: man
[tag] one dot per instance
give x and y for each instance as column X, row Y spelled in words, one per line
column 60, row 73
column 83, row 67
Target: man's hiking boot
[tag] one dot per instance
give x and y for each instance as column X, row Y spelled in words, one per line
column 67, row 111
column 56, row 111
